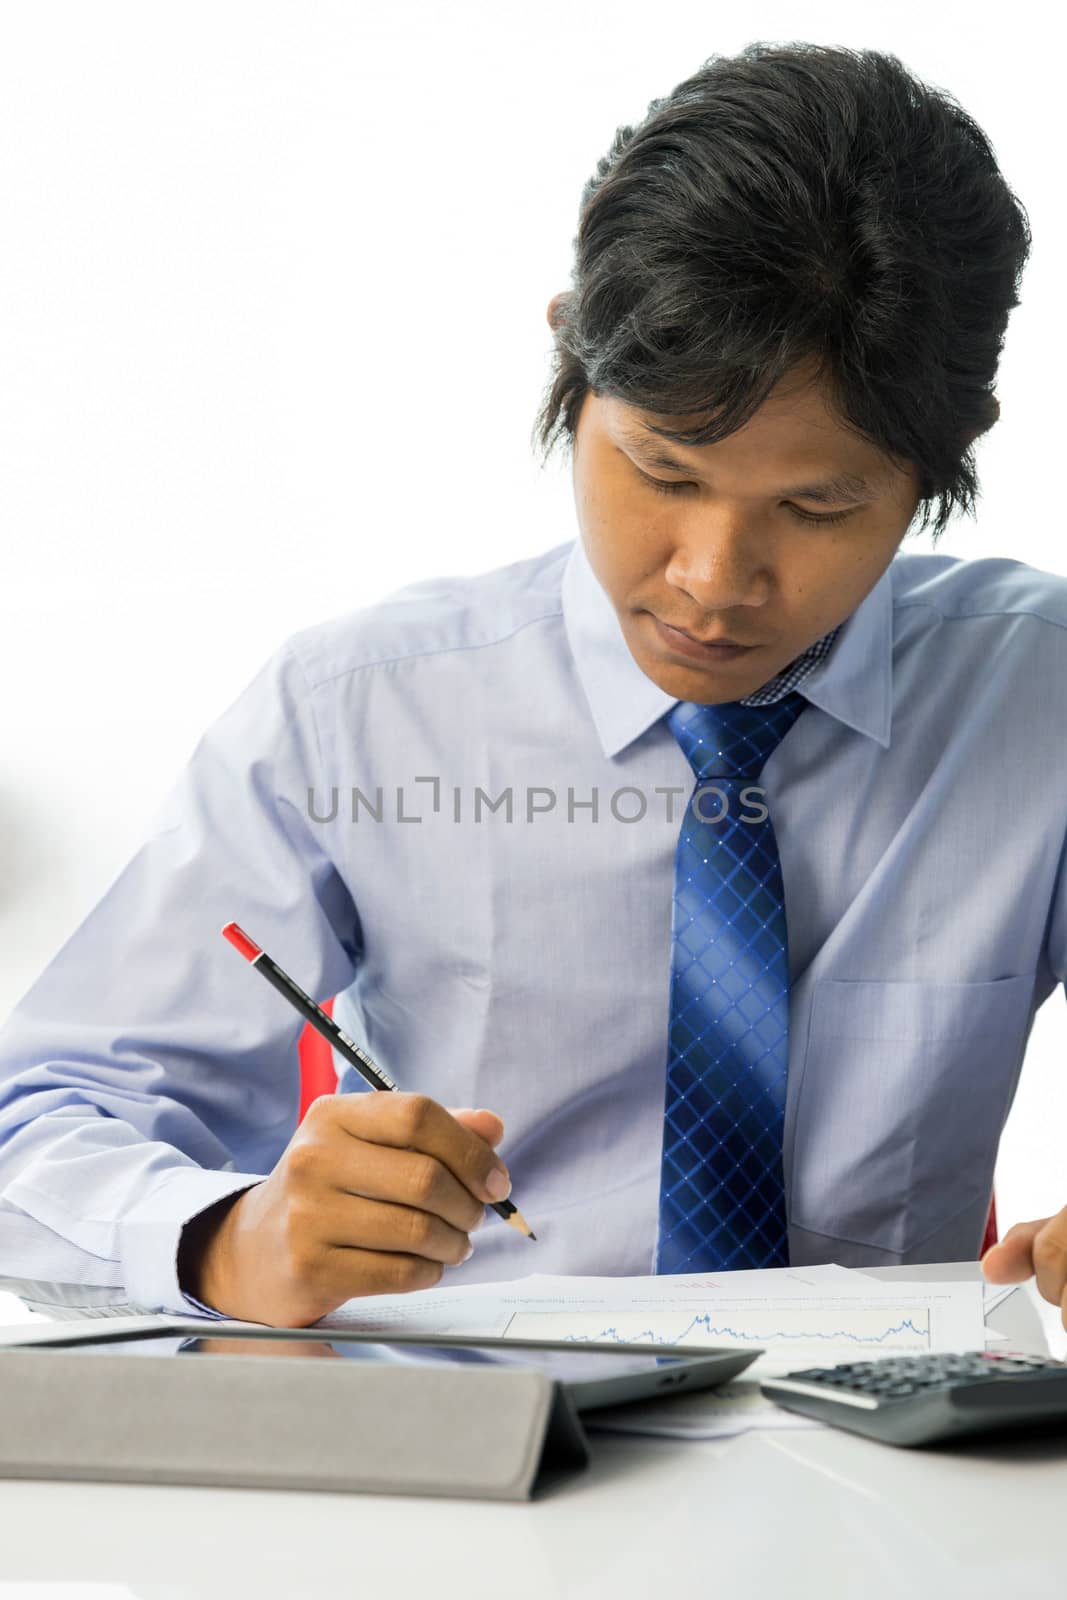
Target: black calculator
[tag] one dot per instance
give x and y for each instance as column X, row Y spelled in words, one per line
column 926, row 1399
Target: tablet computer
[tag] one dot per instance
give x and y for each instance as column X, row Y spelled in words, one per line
column 592, row 1374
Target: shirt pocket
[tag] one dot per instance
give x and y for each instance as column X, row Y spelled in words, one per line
column 903, row 1094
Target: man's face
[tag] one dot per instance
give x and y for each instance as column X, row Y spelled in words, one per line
column 727, row 554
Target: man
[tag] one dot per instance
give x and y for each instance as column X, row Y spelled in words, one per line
column 470, row 812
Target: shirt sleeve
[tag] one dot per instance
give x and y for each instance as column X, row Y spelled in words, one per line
column 1056, row 933
column 150, row 1070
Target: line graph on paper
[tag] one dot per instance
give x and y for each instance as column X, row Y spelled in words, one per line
column 829, row 1331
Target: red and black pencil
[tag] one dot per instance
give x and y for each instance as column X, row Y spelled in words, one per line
column 324, row 1024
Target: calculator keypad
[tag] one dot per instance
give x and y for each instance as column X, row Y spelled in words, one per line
column 899, row 1377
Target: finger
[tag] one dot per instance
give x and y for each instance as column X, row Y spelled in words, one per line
column 486, row 1124
column 353, row 1221
column 415, row 1122
column 355, row 1272
column 1050, row 1259
column 1011, row 1261
column 407, row 1178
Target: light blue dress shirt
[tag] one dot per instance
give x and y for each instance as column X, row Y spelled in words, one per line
column 457, row 810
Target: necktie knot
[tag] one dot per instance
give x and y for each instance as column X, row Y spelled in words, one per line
column 731, row 739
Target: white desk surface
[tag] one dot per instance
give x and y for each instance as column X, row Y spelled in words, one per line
column 798, row 1514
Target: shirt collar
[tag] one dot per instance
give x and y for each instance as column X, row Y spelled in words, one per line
column 853, row 683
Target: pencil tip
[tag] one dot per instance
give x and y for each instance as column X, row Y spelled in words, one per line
column 531, row 1234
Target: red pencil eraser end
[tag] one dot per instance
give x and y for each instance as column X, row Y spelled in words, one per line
column 240, row 941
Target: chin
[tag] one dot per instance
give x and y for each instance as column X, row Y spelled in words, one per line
column 703, row 685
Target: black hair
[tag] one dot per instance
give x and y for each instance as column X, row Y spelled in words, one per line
column 797, row 203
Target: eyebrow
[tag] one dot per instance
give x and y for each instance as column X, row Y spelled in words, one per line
column 845, row 486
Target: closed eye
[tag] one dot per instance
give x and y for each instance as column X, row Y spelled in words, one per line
column 662, row 487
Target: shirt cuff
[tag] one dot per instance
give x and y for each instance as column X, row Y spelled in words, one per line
column 204, row 1310
column 150, row 1232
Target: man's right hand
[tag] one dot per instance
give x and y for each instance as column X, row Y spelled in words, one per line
column 375, row 1194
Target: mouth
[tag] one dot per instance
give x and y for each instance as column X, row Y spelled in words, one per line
column 720, row 649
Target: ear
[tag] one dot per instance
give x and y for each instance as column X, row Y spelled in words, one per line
column 994, row 416
column 554, row 306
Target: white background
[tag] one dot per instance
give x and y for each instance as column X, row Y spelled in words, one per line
column 272, row 342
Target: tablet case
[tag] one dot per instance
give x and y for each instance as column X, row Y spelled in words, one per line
column 254, row 1423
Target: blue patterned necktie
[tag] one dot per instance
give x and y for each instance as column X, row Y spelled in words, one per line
column 722, row 1197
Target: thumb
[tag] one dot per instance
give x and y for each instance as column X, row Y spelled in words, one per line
column 1011, row 1261
column 486, row 1124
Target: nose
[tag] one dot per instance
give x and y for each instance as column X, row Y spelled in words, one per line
column 720, row 570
